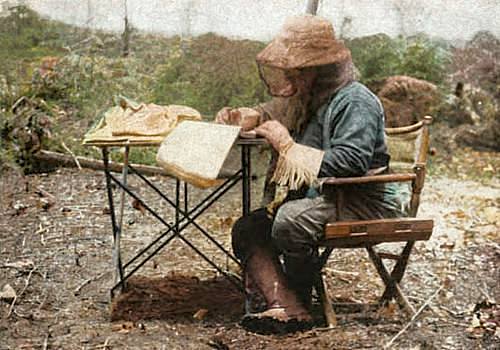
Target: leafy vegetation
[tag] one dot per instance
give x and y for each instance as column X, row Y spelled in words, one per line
column 379, row 56
column 210, row 72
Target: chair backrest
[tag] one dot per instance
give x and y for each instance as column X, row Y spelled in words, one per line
column 408, row 147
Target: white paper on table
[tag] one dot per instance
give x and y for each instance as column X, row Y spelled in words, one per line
column 195, row 151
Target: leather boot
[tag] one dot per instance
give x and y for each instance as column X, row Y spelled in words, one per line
column 254, row 300
column 284, row 312
column 300, row 276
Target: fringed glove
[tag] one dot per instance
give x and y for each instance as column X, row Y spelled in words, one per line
column 297, row 164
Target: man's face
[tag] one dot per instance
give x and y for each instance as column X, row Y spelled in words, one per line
column 287, row 83
column 305, row 80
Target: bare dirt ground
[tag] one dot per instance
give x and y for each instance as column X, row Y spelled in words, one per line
column 55, row 252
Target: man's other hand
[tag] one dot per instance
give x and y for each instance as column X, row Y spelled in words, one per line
column 247, row 118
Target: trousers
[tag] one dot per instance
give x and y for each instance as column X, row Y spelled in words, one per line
column 299, row 224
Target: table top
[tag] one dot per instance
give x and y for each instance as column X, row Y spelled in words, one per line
column 254, row 141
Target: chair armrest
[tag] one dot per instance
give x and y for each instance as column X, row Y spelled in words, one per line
column 335, row 181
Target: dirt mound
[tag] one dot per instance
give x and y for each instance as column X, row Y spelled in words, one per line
column 177, row 296
column 406, row 100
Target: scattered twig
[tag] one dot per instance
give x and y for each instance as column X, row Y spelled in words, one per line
column 459, row 324
column 414, row 317
column 103, row 346
column 492, row 243
column 451, row 312
column 313, row 333
column 27, row 281
column 42, row 193
column 46, row 342
column 89, row 280
column 486, row 294
column 28, row 317
column 12, row 306
column 22, row 292
column 18, row 102
column 344, row 276
column 416, row 298
column 72, row 155
column 345, row 273
column 42, row 229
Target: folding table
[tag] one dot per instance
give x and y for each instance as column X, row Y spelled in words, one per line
column 185, row 214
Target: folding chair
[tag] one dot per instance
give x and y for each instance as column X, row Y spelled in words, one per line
column 408, row 147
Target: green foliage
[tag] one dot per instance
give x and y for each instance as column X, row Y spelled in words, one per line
column 25, row 36
column 210, row 72
column 22, row 29
column 379, row 56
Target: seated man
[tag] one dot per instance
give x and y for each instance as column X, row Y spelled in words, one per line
column 321, row 123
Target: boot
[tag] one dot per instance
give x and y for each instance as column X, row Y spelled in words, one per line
column 284, row 312
column 300, row 277
column 254, row 300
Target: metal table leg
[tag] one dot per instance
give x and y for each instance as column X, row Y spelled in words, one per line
column 124, row 181
column 116, row 229
column 117, row 238
column 246, row 177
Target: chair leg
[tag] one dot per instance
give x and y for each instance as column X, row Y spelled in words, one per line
column 389, row 281
column 320, row 286
column 326, row 302
column 399, row 269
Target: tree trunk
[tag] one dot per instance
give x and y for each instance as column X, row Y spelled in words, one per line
column 312, row 6
column 126, row 32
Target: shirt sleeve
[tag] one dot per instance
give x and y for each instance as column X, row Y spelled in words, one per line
column 352, row 140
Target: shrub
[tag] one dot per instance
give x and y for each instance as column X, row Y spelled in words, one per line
column 379, row 56
column 210, row 72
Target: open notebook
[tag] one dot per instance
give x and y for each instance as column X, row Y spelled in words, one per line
column 195, row 152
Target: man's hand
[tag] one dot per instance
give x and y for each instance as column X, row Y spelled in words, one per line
column 247, row 118
column 276, row 134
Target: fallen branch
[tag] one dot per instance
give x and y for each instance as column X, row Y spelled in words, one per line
column 60, row 159
column 72, row 155
column 419, row 311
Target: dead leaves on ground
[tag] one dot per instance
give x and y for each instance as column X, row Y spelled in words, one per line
column 127, row 327
column 485, row 320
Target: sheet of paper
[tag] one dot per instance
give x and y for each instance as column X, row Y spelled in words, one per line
column 195, row 151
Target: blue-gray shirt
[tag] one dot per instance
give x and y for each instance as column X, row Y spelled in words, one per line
column 350, row 129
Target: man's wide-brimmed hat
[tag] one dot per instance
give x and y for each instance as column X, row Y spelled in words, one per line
column 304, row 41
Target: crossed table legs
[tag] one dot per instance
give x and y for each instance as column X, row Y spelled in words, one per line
column 183, row 216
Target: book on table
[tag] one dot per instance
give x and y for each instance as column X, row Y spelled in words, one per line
column 195, row 152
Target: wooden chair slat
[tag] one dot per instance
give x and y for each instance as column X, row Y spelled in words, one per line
column 367, row 228
column 335, row 181
column 363, row 241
